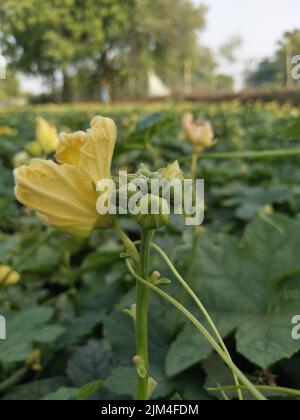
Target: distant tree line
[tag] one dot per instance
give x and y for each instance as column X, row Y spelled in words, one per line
column 277, row 70
column 77, row 45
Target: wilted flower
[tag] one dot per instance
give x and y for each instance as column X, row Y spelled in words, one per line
column 8, row 277
column 64, row 195
column 46, row 138
column 198, row 132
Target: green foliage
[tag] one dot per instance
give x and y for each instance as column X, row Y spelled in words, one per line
column 70, row 301
column 25, row 329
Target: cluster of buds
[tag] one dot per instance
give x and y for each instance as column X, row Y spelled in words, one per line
column 151, row 210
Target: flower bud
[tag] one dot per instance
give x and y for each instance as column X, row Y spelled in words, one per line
column 198, row 132
column 34, row 148
column 172, row 172
column 8, row 277
column 153, row 212
column 140, row 366
column 20, row 159
column 34, row 360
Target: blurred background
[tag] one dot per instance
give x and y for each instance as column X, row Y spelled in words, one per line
column 127, row 50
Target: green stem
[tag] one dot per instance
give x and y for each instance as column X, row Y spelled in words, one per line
column 262, row 154
column 129, row 245
column 279, row 389
column 200, row 305
column 203, row 331
column 191, row 271
column 15, row 379
column 142, row 305
column 194, row 164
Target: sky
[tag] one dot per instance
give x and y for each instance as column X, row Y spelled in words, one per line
column 260, row 24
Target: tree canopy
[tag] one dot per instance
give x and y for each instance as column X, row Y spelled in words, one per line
column 86, row 42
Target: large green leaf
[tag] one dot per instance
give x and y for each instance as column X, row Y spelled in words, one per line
column 239, row 284
column 90, row 362
column 26, row 328
column 246, row 285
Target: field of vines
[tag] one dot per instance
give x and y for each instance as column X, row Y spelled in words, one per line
column 68, row 305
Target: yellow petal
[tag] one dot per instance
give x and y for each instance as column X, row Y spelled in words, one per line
column 69, row 146
column 61, row 195
column 97, row 151
column 46, row 135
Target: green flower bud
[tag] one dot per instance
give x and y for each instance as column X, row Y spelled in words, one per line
column 172, row 172
column 153, row 212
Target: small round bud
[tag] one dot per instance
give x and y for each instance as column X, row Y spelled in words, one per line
column 153, row 212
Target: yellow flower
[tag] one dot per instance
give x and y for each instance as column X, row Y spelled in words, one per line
column 198, row 132
column 64, row 195
column 172, row 172
column 46, row 138
column 8, row 277
column 46, row 135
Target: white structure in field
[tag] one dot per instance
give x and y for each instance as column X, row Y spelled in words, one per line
column 156, row 87
column 2, row 68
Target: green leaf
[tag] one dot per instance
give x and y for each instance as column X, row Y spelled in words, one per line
column 122, row 381
column 267, row 339
column 89, row 363
column 26, row 328
column 237, row 282
column 188, row 349
column 218, row 375
column 35, row 390
column 62, row 394
column 249, row 200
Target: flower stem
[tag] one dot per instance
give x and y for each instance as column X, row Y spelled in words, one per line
column 202, row 308
column 273, row 389
column 194, row 163
column 248, row 154
column 142, row 305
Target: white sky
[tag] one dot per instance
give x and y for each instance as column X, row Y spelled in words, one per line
column 260, row 23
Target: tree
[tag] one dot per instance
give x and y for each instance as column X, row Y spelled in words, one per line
column 277, row 70
column 56, row 37
column 9, row 88
column 86, row 42
column 164, row 37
